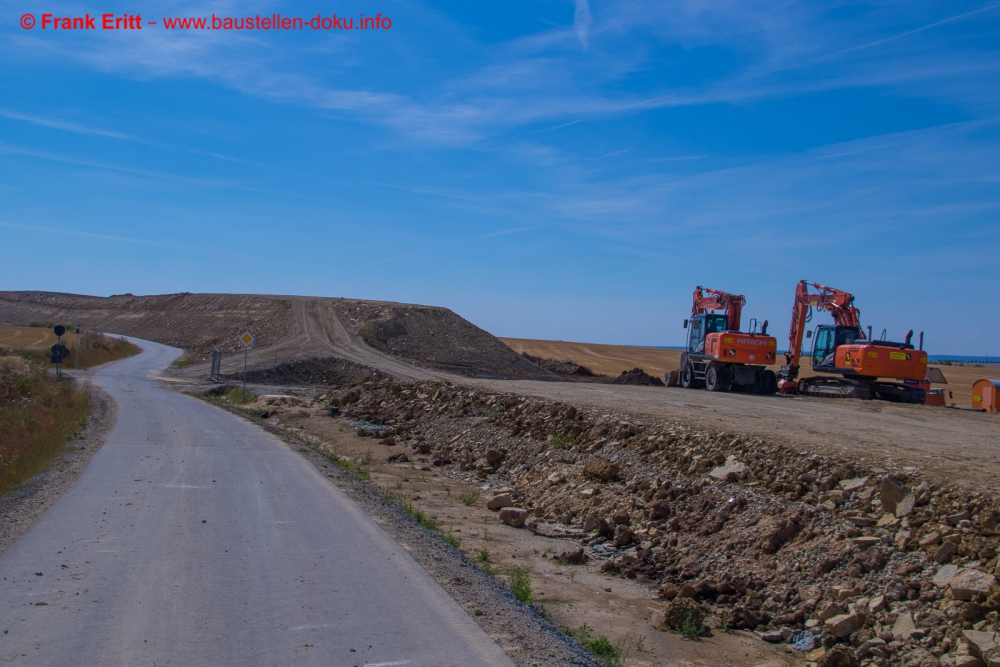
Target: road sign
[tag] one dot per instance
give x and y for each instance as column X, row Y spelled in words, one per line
column 59, row 330
column 59, row 352
column 246, row 339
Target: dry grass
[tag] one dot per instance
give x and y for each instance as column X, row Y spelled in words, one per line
column 95, row 348
column 38, row 416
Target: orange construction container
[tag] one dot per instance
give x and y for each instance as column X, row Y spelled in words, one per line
column 986, row 395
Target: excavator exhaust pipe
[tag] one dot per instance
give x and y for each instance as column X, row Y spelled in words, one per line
column 909, row 336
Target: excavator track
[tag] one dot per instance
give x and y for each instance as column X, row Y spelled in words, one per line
column 833, row 387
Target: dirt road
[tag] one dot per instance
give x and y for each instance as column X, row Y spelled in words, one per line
column 194, row 538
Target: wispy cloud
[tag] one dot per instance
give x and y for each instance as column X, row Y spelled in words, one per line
column 581, row 23
column 64, row 125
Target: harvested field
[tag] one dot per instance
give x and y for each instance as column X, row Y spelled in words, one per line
column 612, row 360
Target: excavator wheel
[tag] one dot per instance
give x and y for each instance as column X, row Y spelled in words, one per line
column 688, row 380
column 918, row 395
column 766, row 383
column 718, row 378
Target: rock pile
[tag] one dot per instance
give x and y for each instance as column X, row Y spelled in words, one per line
column 859, row 566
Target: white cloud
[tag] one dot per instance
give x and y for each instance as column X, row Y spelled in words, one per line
column 581, row 23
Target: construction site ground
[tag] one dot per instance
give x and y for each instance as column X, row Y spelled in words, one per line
column 311, row 346
column 572, row 596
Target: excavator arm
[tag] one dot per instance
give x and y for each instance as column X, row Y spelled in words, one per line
column 732, row 304
column 838, row 303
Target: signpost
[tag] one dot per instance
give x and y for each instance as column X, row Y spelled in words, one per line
column 59, row 351
column 77, row 366
column 247, row 340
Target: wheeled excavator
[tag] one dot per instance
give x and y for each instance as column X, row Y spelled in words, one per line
column 719, row 356
column 849, row 363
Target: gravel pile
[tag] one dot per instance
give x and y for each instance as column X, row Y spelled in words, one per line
column 850, row 565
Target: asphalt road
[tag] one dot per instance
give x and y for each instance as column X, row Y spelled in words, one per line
column 194, row 538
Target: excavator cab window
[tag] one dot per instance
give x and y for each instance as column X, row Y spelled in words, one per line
column 716, row 323
column 823, row 347
column 828, row 339
column 696, row 334
column 701, row 326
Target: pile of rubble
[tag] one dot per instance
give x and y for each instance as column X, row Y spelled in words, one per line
column 854, row 565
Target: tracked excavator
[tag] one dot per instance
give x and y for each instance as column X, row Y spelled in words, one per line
column 849, row 363
column 719, row 356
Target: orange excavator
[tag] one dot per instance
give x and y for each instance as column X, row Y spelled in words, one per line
column 719, row 356
column 849, row 362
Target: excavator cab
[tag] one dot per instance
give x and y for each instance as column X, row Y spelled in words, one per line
column 700, row 326
column 827, row 340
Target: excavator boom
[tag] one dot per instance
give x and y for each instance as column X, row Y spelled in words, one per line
column 717, row 300
column 840, row 304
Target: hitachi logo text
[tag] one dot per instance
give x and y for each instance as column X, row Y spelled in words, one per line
column 752, row 341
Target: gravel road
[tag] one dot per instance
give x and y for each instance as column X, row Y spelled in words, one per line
column 195, row 538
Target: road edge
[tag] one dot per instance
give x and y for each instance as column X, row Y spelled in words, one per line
column 520, row 630
column 19, row 509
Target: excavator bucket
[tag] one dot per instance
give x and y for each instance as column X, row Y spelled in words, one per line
column 935, row 375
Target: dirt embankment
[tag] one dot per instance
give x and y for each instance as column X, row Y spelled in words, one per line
column 331, row 370
column 197, row 322
column 437, row 338
column 853, row 563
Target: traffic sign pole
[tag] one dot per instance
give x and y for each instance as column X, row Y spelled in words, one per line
column 247, row 340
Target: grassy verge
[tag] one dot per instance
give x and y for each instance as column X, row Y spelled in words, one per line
column 38, row 416
column 95, row 349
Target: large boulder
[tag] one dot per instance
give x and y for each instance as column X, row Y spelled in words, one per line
column 892, row 491
column 514, row 516
column 843, row 625
column 601, row 468
column 969, row 583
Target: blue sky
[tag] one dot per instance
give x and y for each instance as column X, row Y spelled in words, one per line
column 550, row 169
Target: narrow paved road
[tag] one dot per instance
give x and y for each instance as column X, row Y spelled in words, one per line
column 194, row 538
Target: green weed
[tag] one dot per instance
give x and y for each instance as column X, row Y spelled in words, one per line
column 690, row 629
column 562, row 441
column 469, row 497
column 520, row 584
column 608, row 654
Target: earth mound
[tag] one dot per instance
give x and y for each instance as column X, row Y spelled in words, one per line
column 197, row 322
column 638, row 378
column 436, row 338
column 563, row 368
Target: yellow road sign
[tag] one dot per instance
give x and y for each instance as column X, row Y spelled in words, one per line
column 246, row 339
